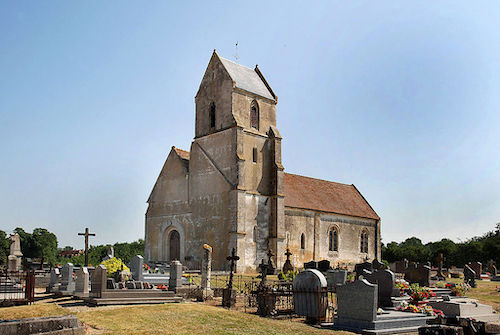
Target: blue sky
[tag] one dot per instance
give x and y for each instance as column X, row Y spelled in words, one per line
column 399, row 98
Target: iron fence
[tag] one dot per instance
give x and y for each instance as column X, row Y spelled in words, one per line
column 17, row 287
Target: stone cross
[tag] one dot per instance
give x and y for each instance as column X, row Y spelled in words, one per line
column 86, row 234
column 206, row 267
column 287, row 267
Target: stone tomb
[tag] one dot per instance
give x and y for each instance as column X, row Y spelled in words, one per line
column 357, row 312
column 466, row 308
column 67, row 284
column 101, row 295
column 82, row 283
column 310, row 295
column 175, row 280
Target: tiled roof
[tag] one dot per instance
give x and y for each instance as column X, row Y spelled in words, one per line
column 182, row 153
column 326, row 196
column 246, row 78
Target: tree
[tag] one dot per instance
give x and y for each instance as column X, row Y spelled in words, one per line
column 44, row 245
column 446, row 247
column 4, row 247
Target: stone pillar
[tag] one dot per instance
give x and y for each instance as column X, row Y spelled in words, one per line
column 14, row 259
column 206, row 272
column 82, row 282
column 175, row 280
column 136, row 267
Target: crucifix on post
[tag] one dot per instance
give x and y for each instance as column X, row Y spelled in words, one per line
column 86, row 234
column 227, row 299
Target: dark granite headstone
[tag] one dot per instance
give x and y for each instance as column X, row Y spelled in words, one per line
column 469, row 276
column 477, row 267
column 401, row 266
column 420, row 275
column 385, row 282
column 357, row 301
column 335, row 278
column 311, row 265
column 362, row 269
column 324, row 265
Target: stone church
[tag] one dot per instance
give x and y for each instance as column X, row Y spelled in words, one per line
column 230, row 189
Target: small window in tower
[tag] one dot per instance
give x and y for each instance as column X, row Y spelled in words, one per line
column 254, row 154
column 255, row 232
column 254, row 115
column 302, row 241
column 212, row 115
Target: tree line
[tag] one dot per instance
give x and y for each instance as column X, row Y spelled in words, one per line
column 480, row 248
column 41, row 247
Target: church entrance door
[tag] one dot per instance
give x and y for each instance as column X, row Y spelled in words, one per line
column 175, row 245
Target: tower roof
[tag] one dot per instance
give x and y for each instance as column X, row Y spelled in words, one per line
column 247, row 79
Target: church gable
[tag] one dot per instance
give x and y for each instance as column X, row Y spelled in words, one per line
column 326, row 196
column 172, row 184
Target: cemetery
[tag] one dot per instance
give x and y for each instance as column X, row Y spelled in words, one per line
column 368, row 298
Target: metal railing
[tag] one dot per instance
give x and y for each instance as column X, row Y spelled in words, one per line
column 17, row 287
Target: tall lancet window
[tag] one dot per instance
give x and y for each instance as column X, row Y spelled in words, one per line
column 212, row 115
column 364, row 242
column 333, row 240
column 254, row 115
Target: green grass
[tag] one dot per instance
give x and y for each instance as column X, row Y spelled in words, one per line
column 178, row 319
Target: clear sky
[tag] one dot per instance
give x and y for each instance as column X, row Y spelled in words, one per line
column 400, row 98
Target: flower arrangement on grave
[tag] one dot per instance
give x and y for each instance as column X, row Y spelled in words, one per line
column 424, row 309
column 459, row 289
column 113, row 265
column 419, row 294
column 146, row 267
column 402, row 285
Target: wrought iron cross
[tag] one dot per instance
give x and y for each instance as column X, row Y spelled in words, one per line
column 86, row 234
column 233, row 258
column 263, row 270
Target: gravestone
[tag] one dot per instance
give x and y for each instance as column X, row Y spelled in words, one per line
column 136, row 267
column 357, row 301
column 82, row 282
column 67, row 284
column 54, row 281
column 466, row 308
column 469, row 276
column 98, row 281
column 477, row 267
column 271, row 269
column 310, row 295
column 324, row 266
column 376, row 265
column 362, row 269
column 385, row 283
column 175, row 280
column 421, row 275
column 335, row 278
column 110, row 253
column 492, row 269
column 311, row 265
column 15, row 256
column 401, row 266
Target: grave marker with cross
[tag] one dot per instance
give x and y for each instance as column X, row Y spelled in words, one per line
column 227, row 300
column 86, row 234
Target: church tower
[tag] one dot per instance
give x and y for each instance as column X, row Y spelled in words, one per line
column 235, row 169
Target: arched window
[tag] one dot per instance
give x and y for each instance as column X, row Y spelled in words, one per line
column 302, row 241
column 212, row 115
column 364, row 242
column 333, row 240
column 254, row 115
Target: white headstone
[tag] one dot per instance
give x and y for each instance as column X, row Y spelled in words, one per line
column 82, row 282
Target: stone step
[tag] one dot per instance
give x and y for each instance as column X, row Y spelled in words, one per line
column 132, row 301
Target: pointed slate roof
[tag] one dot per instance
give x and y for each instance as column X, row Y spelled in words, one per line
column 326, row 196
column 247, row 79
